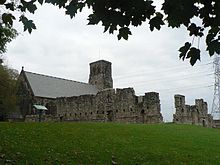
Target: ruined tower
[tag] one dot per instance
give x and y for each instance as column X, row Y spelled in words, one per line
column 192, row 114
column 151, row 108
column 179, row 104
column 101, row 74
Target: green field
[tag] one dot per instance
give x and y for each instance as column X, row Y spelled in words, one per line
column 108, row 143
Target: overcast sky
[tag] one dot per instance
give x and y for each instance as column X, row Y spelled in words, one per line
column 148, row 61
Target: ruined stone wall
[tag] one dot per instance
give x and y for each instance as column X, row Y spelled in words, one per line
column 44, row 118
column 195, row 114
column 120, row 105
column 151, row 108
column 76, row 108
column 50, row 103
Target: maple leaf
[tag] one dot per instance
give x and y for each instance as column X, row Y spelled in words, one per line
column 194, row 55
column 184, row 50
column 123, row 33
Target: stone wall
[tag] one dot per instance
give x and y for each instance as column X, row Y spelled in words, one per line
column 192, row 114
column 108, row 105
column 24, row 95
column 120, row 105
column 44, row 118
column 101, row 74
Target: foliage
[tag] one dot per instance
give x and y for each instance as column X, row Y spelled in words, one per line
column 108, row 143
column 119, row 15
column 7, row 33
column 7, row 91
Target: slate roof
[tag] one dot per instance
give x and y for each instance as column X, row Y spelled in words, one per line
column 52, row 87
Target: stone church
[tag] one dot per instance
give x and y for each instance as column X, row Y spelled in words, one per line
column 97, row 100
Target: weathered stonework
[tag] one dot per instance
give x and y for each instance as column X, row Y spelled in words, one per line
column 107, row 105
column 101, row 74
column 192, row 114
column 119, row 105
column 27, row 99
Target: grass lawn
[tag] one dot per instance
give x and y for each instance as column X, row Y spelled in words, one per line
column 108, row 143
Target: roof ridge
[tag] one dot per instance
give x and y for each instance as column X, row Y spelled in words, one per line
column 58, row 78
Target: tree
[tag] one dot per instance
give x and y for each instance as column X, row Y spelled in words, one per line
column 7, row 34
column 199, row 17
column 7, row 91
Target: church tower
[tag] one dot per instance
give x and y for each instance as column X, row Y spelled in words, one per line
column 101, row 74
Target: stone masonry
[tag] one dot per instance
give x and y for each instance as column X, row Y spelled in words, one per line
column 192, row 114
column 106, row 105
column 119, row 105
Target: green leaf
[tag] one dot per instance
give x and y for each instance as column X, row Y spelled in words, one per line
column 60, row 3
column 54, row 2
column 30, row 6
column 8, row 18
column 156, row 22
column 209, row 38
column 10, row 6
column 71, row 9
column 184, row 49
column 195, row 30
column 112, row 29
column 123, row 33
column 41, row 1
column 2, row 2
column 179, row 11
column 214, row 47
column 194, row 55
column 93, row 19
column 28, row 24
column 214, row 30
